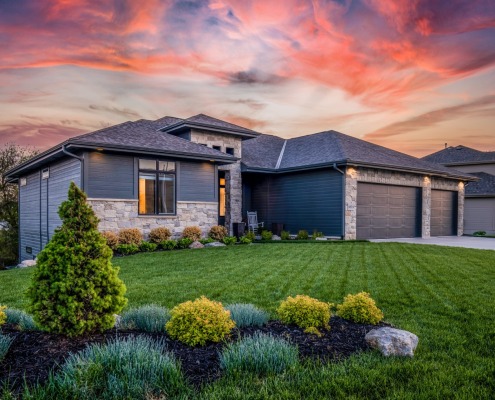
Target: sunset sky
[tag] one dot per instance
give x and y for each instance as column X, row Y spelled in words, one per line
column 411, row 75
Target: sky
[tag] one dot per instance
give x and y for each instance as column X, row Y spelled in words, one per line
column 411, row 75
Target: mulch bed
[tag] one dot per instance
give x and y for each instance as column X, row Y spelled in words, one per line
column 33, row 355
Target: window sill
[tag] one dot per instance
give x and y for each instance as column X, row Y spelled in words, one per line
column 157, row 216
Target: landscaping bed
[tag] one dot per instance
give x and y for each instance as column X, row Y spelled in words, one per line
column 33, row 355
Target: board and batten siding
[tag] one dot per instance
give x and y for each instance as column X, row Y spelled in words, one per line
column 197, row 182
column 309, row 200
column 39, row 201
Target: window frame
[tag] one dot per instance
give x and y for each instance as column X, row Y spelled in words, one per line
column 157, row 172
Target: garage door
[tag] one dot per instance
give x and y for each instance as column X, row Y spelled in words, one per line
column 479, row 215
column 443, row 213
column 386, row 211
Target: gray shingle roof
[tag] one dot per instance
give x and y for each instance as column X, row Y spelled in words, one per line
column 484, row 187
column 262, row 152
column 460, row 155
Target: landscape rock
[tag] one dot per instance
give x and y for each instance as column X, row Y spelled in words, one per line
column 321, row 238
column 214, row 244
column 196, row 245
column 27, row 263
column 276, row 237
column 392, row 342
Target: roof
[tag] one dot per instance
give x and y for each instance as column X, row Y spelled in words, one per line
column 461, row 155
column 331, row 147
column 484, row 187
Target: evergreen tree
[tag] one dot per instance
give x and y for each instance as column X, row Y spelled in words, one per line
column 75, row 289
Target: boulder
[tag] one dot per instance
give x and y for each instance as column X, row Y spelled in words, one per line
column 321, row 238
column 214, row 244
column 27, row 263
column 276, row 237
column 196, row 245
column 392, row 342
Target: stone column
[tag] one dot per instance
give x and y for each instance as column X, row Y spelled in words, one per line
column 351, row 177
column 233, row 195
column 426, row 211
column 460, row 209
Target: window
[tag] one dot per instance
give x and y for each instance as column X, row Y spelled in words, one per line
column 23, row 182
column 221, row 200
column 156, row 187
column 45, row 174
column 219, row 148
column 229, row 150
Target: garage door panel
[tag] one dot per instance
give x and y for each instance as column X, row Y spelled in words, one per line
column 443, row 213
column 479, row 215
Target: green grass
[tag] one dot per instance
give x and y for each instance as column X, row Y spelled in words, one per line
column 445, row 295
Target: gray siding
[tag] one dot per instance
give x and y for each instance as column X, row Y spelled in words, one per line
column 109, row 176
column 479, row 215
column 197, row 182
column 29, row 216
column 304, row 200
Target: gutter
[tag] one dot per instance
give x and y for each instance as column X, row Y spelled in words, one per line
column 81, row 159
column 334, row 166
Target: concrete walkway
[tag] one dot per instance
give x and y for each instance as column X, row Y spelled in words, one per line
column 453, row 241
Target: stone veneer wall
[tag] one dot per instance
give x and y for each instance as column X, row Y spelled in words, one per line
column 360, row 174
column 116, row 214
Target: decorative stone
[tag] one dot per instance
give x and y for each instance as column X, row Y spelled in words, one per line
column 214, row 244
column 196, row 245
column 321, row 238
column 276, row 237
column 27, row 263
column 392, row 342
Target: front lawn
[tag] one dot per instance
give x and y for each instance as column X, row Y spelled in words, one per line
column 444, row 295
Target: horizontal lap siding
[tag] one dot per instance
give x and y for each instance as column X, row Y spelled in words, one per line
column 110, row 176
column 479, row 215
column 29, row 216
column 197, row 182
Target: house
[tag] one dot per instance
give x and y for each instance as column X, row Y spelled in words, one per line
column 203, row 171
column 479, row 208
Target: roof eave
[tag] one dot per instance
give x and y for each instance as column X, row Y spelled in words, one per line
column 177, row 127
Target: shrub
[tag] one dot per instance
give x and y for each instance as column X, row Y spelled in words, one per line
column 147, row 318
column 251, row 235
column 260, row 353
column 168, row 244
column 5, row 342
column 133, row 368
column 127, row 249
column 111, row 238
column 192, row 232
column 245, row 240
column 317, row 234
column 247, row 315
column 479, row 233
column 266, row 235
column 147, row 246
column 3, row 315
column 206, row 240
column 302, row 235
column 130, row 236
column 199, row 321
column 285, row 235
column 360, row 308
column 218, row 232
column 305, row 312
column 158, row 235
column 184, row 243
column 74, row 288
column 229, row 240
column 21, row 319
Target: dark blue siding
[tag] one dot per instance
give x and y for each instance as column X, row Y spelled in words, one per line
column 109, row 176
column 29, row 216
column 197, row 182
column 304, row 200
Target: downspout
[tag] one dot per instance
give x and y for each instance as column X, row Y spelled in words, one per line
column 334, row 166
column 81, row 159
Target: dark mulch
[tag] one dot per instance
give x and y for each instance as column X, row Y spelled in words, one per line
column 34, row 354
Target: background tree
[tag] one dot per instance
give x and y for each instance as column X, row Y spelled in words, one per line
column 75, row 289
column 10, row 156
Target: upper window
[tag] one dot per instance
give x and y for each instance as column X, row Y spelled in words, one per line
column 156, row 187
column 45, row 174
column 229, row 150
column 23, row 182
column 219, row 148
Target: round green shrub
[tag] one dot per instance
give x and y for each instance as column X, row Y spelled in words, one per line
column 229, row 240
column 360, row 308
column 260, row 354
column 147, row 318
column 184, row 243
column 199, row 321
column 74, row 288
column 285, row 235
column 305, row 312
column 266, row 235
column 147, row 246
column 218, row 232
column 168, row 244
column 247, row 315
column 245, row 240
column 128, row 249
column 302, row 235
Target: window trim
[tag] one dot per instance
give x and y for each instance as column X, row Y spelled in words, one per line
column 157, row 172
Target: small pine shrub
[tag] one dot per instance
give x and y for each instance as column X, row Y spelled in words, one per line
column 192, row 232
column 479, row 233
column 251, row 235
column 245, row 240
column 218, row 232
column 285, row 235
column 168, row 244
column 5, row 342
column 317, row 234
column 199, row 321
column 184, row 243
column 247, row 315
column 127, row 249
column 158, row 235
column 304, row 312
column 266, row 235
column 261, row 354
column 130, row 236
column 3, row 315
column 302, row 235
column 74, row 288
column 229, row 240
column 206, row 240
column 111, row 238
column 147, row 246
column 147, row 318
column 360, row 308
column 20, row 319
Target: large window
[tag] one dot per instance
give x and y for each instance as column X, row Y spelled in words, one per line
column 156, row 187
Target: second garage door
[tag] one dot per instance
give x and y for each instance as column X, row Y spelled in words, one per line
column 386, row 211
column 443, row 213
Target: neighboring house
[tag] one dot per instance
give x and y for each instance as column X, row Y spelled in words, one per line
column 203, row 171
column 479, row 211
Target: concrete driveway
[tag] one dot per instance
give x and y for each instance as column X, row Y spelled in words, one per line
column 453, row 241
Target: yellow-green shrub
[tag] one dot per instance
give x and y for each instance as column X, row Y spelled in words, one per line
column 360, row 308
column 111, row 238
column 3, row 316
column 199, row 321
column 130, row 236
column 305, row 312
column 192, row 232
column 159, row 235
